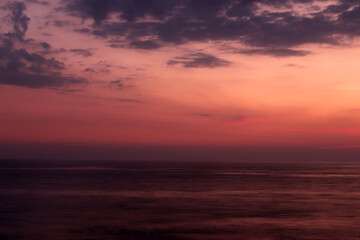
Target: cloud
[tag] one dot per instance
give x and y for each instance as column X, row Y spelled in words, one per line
column 122, row 100
column 37, row 80
column 36, row 60
column 60, row 23
column 45, row 45
column 294, row 65
column 129, row 10
column 270, row 27
column 45, row 3
column 72, row 90
column 82, row 52
column 275, row 52
column 117, row 84
column 22, row 68
column 19, row 20
column 199, row 60
column 148, row 44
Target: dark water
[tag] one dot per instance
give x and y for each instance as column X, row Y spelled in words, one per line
column 248, row 201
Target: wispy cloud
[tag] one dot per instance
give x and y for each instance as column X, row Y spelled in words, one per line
column 199, row 60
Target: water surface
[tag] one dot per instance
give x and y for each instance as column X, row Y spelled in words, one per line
column 152, row 200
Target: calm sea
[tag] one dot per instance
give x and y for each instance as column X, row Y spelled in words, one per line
column 244, row 201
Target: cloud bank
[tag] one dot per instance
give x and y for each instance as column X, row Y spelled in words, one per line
column 276, row 28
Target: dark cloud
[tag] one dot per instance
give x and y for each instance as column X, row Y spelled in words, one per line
column 22, row 68
column 48, row 34
column 45, row 3
column 45, row 45
column 270, row 32
column 130, row 10
column 115, row 45
column 199, row 60
column 89, row 70
column 37, row 80
column 59, row 23
column 35, row 59
column 50, row 50
column 84, row 30
column 148, row 44
column 275, row 52
column 82, row 52
column 97, row 70
column 19, row 20
column 72, row 90
column 117, row 84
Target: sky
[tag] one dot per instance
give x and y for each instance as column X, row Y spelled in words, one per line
column 141, row 77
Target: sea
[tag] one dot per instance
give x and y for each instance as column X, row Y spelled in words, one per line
column 91, row 200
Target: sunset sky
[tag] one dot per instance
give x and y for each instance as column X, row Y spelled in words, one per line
column 132, row 74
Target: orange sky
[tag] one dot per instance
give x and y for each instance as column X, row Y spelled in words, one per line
column 244, row 100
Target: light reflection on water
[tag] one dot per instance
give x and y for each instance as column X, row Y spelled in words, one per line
column 188, row 201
